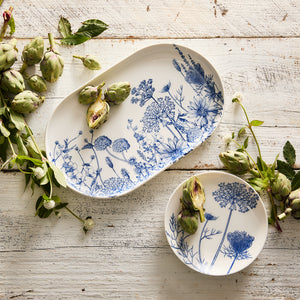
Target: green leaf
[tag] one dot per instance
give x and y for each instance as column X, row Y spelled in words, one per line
column 92, row 28
column 3, row 150
column 17, row 119
column 296, row 182
column 258, row 184
column 246, row 142
column 36, row 162
column 256, row 123
column 3, row 129
column 64, row 27
column 58, row 174
column 21, row 147
column 242, row 131
column 88, row 30
column 262, row 166
column 285, row 169
column 289, row 153
column 11, row 24
column 74, row 39
column 61, row 205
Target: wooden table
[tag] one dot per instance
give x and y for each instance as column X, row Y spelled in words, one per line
column 255, row 46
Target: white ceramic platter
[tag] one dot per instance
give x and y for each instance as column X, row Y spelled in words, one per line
column 175, row 104
column 233, row 233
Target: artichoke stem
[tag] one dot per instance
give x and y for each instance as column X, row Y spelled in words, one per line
column 201, row 214
column 51, row 40
column 23, row 68
column 79, row 57
column 100, row 86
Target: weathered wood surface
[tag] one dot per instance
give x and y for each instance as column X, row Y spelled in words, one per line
column 162, row 19
column 126, row 255
column 255, row 48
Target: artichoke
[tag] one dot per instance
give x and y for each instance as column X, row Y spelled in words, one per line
column 8, row 54
column 89, row 61
column 294, row 202
column 188, row 221
column 12, row 81
column 117, row 92
column 52, row 64
column 33, row 51
column 193, row 195
column 89, row 94
column 281, row 186
column 236, row 162
column 97, row 113
column 26, row 102
column 37, row 83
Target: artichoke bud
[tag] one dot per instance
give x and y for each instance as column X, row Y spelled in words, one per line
column 97, row 113
column 117, row 92
column 88, row 95
column 37, row 83
column 12, row 81
column 281, row 186
column 33, row 51
column 188, row 221
column 8, row 54
column 26, row 102
column 195, row 188
column 89, row 61
column 52, row 64
column 236, row 162
column 294, row 202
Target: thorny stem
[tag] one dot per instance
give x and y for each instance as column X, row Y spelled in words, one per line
column 6, row 17
column 72, row 213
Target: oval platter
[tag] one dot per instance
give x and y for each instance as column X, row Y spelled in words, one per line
column 175, row 104
column 233, row 233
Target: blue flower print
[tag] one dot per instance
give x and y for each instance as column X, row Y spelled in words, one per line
column 239, row 243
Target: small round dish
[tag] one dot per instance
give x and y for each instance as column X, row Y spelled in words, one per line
column 234, row 230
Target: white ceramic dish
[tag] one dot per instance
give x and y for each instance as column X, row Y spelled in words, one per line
column 175, row 104
column 233, row 233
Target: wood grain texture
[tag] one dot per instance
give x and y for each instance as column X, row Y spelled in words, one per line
column 126, row 255
column 162, row 19
column 255, row 48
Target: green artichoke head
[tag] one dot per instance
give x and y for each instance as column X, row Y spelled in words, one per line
column 8, row 54
column 195, row 189
column 37, row 83
column 188, row 221
column 52, row 66
column 91, row 62
column 26, row 102
column 281, row 186
column 97, row 113
column 88, row 94
column 33, row 51
column 294, row 203
column 236, row 162
column 117, row 92
column 12, row 81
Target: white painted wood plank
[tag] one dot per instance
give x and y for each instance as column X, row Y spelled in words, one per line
column 161, row 19
column 126, row 255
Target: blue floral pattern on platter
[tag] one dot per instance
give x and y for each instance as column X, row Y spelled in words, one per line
column 172, row 124
column 219, row 247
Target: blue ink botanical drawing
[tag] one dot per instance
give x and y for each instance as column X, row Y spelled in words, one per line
column 178, row 242
column 239, row 243
column 236, row 197
column 172, row 123
column 206, row 233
